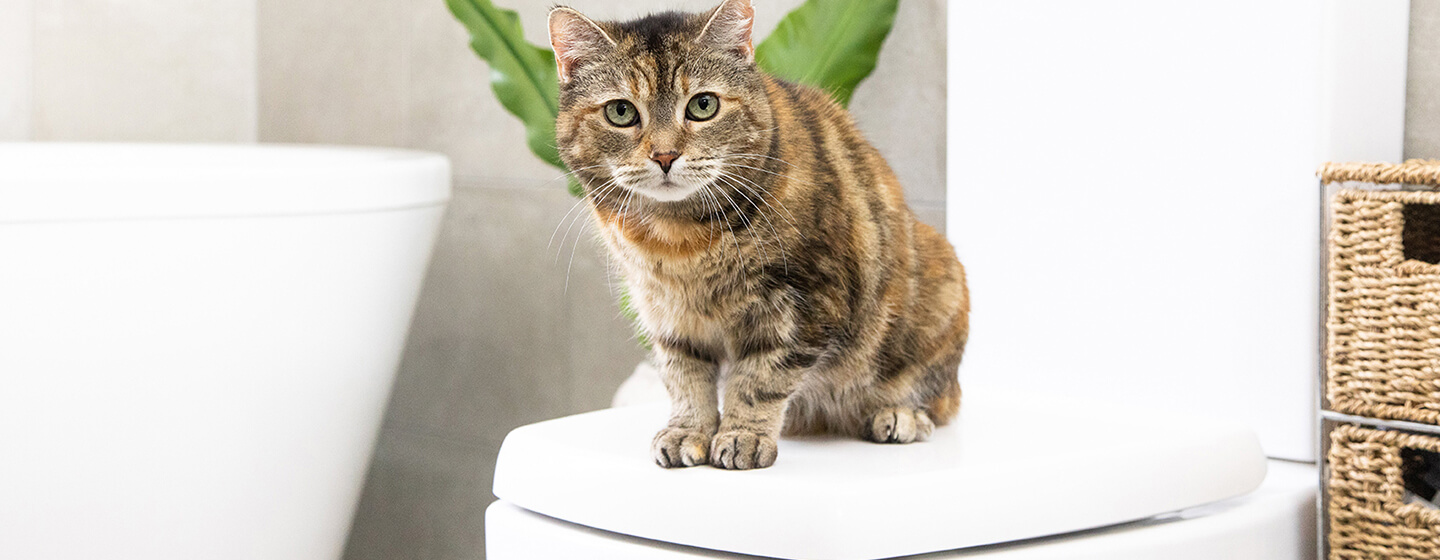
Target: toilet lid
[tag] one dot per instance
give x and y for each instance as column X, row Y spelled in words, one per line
column 1008, row 468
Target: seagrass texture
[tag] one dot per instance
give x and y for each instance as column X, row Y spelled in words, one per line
column 1412, row 172
column 1383, row 325
column 1366, row 509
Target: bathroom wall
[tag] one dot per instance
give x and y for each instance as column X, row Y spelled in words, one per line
column 159, row 70
column 16, row 21
column 1422, row 96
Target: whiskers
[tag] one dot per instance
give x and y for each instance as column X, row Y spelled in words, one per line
column 589, row 194
column 726, row 170
column 738, row 182
column 723, row 176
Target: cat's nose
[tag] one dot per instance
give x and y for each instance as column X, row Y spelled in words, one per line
column 664, row 159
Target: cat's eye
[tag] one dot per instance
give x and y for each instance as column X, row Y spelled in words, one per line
column 621, row 113
column 702, row 107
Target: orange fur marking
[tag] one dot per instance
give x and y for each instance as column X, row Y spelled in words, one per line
column 659, row 237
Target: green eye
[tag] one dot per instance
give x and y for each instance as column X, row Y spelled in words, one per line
column 621, row 113
column 702, row 107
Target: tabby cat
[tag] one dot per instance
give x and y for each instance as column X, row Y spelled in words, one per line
column 757, row 229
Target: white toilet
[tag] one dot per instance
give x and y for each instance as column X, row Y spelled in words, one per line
column 1131, row 187
column 197, row 342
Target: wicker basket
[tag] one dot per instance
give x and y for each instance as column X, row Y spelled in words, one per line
column 1383, row 316
column 1365, row 507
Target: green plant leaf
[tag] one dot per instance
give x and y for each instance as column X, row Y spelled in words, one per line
column 522, row 75
column 627, row 310
column 829, row 44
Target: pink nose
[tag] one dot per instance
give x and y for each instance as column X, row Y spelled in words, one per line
column 664, row 159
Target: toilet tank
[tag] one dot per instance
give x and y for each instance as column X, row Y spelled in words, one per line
column 1132, row 191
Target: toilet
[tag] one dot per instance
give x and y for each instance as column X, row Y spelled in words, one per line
column 1131, row 188
column 198, row 341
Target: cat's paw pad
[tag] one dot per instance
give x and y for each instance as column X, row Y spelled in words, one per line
column 742, row 450
column 680, row 447
column 899, row 425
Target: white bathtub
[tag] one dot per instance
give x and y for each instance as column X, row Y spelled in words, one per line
column 197, row 342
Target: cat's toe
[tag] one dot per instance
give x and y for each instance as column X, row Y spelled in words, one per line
column 680, row 447
column 739, row 450
column 899, row 425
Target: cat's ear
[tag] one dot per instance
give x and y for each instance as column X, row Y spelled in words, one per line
column 575, row 37
column 729, row 28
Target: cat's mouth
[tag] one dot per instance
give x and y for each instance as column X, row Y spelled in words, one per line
column 667, row 190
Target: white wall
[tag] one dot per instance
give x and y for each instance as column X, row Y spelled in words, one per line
column 1135, row 191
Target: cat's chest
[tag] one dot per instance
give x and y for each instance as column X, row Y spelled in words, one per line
column 694, row 295
column 691, row 307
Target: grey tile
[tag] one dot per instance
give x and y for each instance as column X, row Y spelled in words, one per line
column 160, row 70
column 424, row 499
column 488, row 348
column 1422, row 96
column 450, row 106
column 17, row 20
column 901, row 106
column 931, row 214
column 332, row 72
column 603, row 346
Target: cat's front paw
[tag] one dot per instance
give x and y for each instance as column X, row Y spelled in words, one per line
column 680, row 447
column 742, row 450
column 899, row 425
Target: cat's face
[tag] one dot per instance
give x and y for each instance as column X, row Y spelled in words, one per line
column 660, row 107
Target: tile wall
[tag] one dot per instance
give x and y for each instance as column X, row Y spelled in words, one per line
column 1422, row 96
column 17, row 21
column 158, row 70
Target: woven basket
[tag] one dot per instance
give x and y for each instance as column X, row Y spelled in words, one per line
column 1365, row 507
column 1383, row 321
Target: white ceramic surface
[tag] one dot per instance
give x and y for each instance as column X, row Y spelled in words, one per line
column 1276, row 522
column 1132, row 191
column 1010, row 467
column 80, row 181
column 197, row 343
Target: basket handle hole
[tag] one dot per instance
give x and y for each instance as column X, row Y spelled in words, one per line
column 1421, row 233
column 1421, row 473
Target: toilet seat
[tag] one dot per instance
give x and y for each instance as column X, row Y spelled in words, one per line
column 1009, row 468
column 1276, row 522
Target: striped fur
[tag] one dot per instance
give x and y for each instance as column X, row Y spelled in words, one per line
column 776, row 266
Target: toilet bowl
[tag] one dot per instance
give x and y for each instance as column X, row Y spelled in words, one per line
column 197, row 342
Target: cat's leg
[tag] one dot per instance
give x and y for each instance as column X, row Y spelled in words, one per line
column 912, row 403
column 690, row 379
column 755, row 394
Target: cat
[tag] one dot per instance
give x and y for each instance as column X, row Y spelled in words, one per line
column 754, row 226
